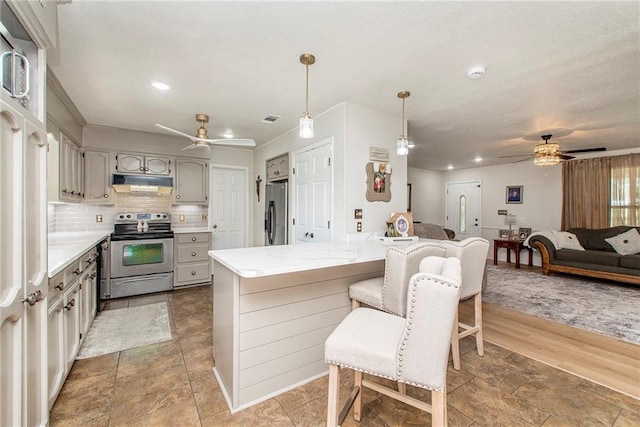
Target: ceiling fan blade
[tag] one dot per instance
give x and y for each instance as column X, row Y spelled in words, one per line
column 519, row 155
column 193, row 138
column 238, row 142
column 197, row 145
column 586, row 150
column 563, row 157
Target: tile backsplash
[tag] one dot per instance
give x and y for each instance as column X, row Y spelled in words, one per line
column 82, row 217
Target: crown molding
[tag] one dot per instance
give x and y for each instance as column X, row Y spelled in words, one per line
column 56, row 86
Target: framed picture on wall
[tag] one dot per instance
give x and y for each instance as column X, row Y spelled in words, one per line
column 514, row 194
column 524, row 232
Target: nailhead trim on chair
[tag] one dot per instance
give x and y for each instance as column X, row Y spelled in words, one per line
column 344, row 365
column 410, row 315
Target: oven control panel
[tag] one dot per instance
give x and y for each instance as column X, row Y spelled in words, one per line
column 128, row 217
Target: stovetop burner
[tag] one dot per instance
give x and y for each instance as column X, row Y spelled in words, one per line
column 139, row 226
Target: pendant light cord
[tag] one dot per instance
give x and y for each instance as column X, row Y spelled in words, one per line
column 306, row 104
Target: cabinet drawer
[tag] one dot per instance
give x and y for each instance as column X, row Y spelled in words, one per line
column 193, row 237
column 56, row 284
column 193, row 253
column 193, row 272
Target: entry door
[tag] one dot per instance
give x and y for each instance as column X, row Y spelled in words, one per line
column 312, row 206
column 227, row 209
column 463, row 208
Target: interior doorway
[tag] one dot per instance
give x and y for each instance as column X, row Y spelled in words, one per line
column 463, row 206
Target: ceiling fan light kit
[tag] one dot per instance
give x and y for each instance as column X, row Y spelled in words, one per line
column 306, row 122
column 547, row 153
column 402, row 146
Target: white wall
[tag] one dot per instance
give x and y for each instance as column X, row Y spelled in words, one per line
column 426, row 195
column 354, row 129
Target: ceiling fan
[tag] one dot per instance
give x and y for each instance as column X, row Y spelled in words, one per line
column 202, row 136
column 547, row 154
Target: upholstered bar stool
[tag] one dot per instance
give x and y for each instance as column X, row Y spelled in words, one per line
column 472, row 253
column 412, row 350
column 389, row 293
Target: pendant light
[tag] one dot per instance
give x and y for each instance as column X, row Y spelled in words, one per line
column 402, row 146
column 306, row 122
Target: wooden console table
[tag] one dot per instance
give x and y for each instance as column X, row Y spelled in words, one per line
column 511, row 245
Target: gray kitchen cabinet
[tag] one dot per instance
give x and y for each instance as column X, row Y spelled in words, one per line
column 191, row 259
column 65, row 169
column 278, row 168
column 71, row 302
column 137, row 163
column 192, row 182
column 97, row 184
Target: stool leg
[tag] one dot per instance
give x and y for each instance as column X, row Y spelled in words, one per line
column 438, row 409
column 402, row 388
column 477, row 308
column 455, row 344
column 334, row 394
column 354, row 304
column 357, row 404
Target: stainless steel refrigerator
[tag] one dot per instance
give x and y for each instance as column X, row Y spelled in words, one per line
column 276, row 214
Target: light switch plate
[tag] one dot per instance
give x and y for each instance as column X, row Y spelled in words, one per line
column 359, row 226
column 98, row 218
column 204, row 218
column 357, row 213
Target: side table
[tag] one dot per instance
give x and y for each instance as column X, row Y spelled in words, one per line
column 511, row 245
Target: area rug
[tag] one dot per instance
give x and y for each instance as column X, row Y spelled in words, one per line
column 124, row 328
column 604, row 308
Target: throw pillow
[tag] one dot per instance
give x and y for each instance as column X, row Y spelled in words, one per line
column 567, row 240
column 626, row 243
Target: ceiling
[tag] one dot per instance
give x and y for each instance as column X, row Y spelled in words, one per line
column 569, row 68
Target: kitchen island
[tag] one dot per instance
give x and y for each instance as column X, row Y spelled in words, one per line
column 274, row 307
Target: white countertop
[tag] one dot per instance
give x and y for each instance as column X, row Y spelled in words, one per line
column 270, row 260
column 64, row 247
column 191, row 230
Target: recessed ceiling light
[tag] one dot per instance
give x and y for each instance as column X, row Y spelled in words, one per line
column 228, row 135
column 475, row 73
column 160, row 85
column 450, row 167
column 478, row 159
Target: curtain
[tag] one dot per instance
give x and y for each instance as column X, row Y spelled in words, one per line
column 625, row 190
column 585, row 193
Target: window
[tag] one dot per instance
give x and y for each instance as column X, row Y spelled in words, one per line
column 625, row 195
column 462, row 226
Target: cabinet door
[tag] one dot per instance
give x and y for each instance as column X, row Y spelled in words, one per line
column 155, row 165
column 272, row 170
column 191, row 181
column 73, row 171
column 12, row 286
column 72, row 303
column 283, row 167
column 55, row 350
column 65, row 167
column 88, row 304
column 130, row 163
column 97, row 188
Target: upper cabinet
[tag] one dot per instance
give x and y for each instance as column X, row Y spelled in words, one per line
column 40, row 18
column 65, row 179
column 191, row 184
column 132, row 163
column 97, row 183
column 278, row 168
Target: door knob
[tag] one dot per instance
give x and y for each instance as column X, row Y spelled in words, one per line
column 311, row 235
column 215, row 226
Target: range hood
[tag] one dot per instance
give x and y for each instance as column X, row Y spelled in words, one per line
column 160, row 185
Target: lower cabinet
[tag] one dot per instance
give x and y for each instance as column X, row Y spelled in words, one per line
column 71, row 310
column 191, row 259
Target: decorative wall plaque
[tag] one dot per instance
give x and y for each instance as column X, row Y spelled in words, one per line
column 378, row 182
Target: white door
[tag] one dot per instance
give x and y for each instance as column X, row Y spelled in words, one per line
column 463, row 208
column 227, row 209
column 312, row 194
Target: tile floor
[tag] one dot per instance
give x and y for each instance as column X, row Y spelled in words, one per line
column 172, row 384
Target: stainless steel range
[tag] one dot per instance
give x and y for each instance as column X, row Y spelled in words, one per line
column 141, row 254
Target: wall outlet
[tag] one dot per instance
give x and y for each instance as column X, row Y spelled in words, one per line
column 359, row 226
column 502, row 211
column 204, row 218
column 98, row 218
column 181, row 218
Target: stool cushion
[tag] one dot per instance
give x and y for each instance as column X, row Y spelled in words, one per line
column 368, row 292
column 367, row 341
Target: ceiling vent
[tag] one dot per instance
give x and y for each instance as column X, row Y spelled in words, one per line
column 270, row 119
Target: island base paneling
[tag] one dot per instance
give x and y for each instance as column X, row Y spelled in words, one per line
column 269, row 331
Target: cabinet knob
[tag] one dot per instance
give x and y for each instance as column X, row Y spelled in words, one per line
column 60, row 286
column 34, row 297
column 93, row 276
column 70, row 304
column 105, row 195
column 76, row 271
column 193, row 239
column 73, row 192
column 65, row 191
column 141, row 169
column 193, row 273
column 177, row 196
column 193, row 254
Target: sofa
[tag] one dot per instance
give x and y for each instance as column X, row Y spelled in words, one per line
column 598, row 259
column 432, row 231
